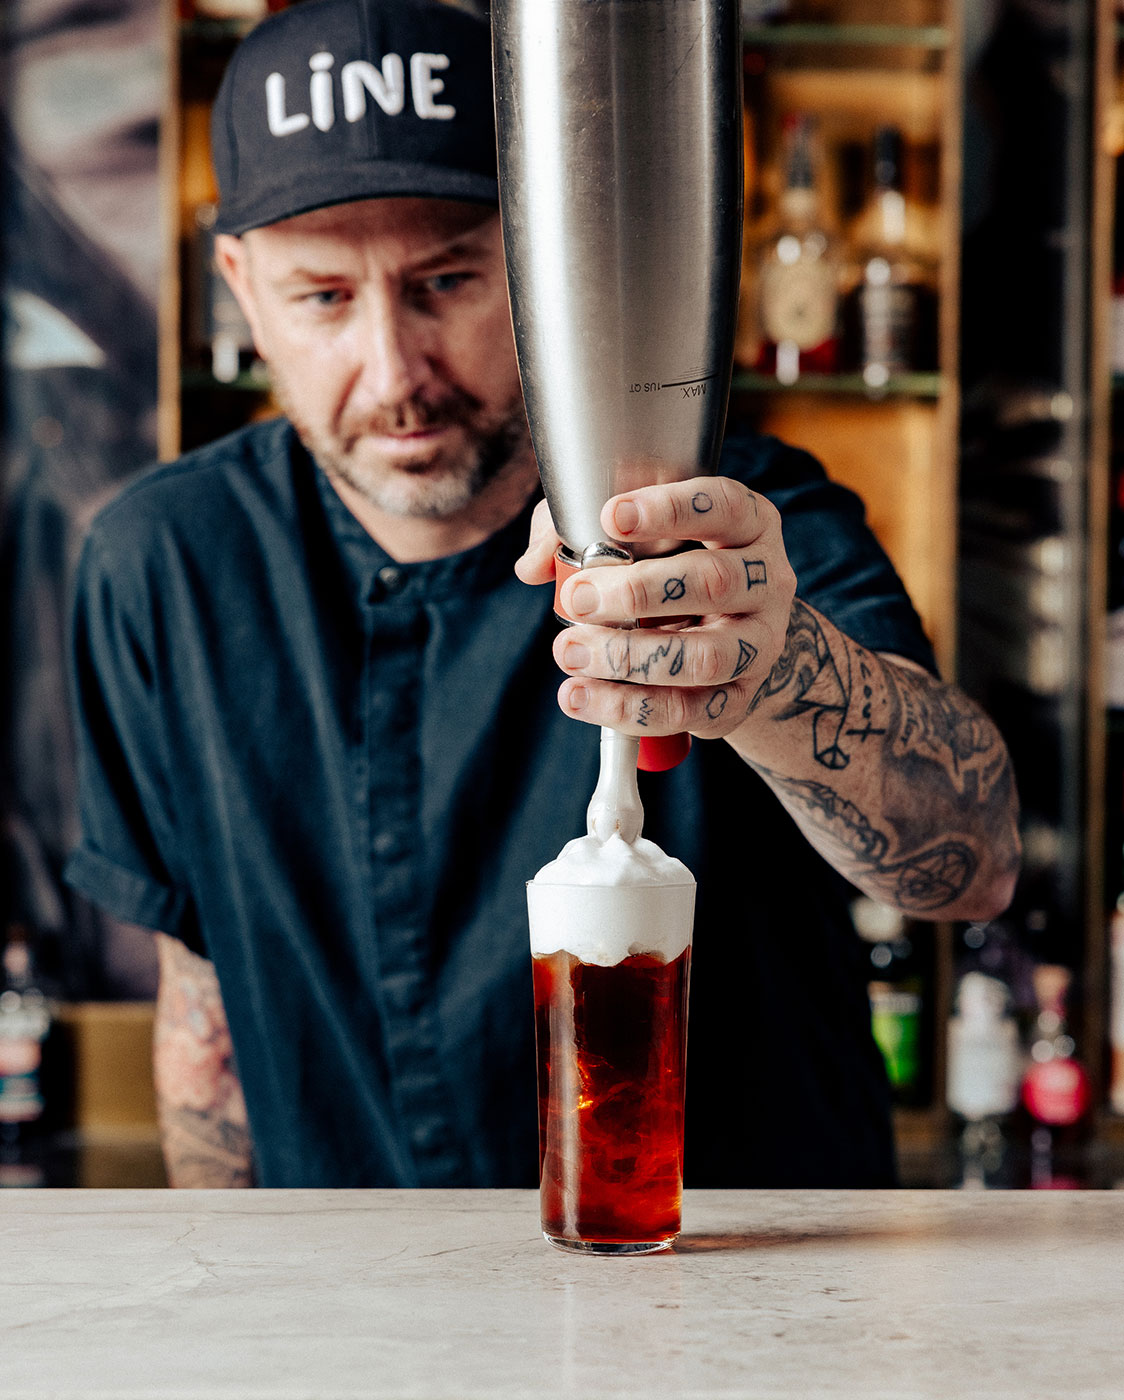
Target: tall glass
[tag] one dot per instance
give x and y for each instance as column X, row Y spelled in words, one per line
column 611, row 977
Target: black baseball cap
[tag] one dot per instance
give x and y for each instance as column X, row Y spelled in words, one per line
column 337, row 100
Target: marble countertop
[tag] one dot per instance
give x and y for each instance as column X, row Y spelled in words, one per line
column 421, row 1295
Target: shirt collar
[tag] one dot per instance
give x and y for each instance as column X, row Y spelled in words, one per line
column 378, row 577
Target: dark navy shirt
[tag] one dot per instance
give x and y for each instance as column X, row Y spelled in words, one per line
column 332, row 774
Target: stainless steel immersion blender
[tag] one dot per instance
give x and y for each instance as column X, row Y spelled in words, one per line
column 619, row 126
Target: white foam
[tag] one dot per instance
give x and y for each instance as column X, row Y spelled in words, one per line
column 604, row 901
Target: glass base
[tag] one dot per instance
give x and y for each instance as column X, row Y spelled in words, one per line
column 613, row 1247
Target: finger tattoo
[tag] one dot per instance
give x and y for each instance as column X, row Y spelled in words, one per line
column 717, row 703
column 701, row 503
column 755, row 573
column 645, row 712
column 674, row 589
column 747, row 655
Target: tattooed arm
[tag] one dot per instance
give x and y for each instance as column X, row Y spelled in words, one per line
column 899, row 780
column 202, row 1113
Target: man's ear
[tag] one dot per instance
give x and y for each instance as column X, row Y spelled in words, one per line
column 232, row 259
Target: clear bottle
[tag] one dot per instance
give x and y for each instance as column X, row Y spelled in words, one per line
column 984, row 1069
column 799, row 269
column 890, row 312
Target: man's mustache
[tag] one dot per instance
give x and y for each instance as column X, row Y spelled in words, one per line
column 416, row 414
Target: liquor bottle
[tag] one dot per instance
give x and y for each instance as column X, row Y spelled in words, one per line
column 1116, row 334
column 747, row 335
column 984, row 1066
column 1055, row 1088
column 218, row 334
column 1114, row 618
column 890, row 310
column 1116, row 1008
column 798, row 269
column 26, row 1022
column 897, row 989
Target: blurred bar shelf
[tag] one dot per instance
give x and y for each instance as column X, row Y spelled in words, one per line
column 216, row 31
column 899, row 386
column 252, row 382
column 929, row 36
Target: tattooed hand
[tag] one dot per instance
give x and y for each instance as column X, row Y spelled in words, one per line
column 899, row 780
column 700, row 675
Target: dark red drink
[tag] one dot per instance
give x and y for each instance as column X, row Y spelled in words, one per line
column 611, row 1056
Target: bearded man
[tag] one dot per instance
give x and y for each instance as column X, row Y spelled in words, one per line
column 324, row 745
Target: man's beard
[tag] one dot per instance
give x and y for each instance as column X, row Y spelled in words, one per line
column 492, row 441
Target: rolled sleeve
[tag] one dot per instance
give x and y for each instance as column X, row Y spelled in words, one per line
column 125, row 860
column 136, row 899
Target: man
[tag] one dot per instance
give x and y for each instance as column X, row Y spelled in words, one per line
column 322, row 752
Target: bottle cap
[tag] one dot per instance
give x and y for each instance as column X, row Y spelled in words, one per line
column 876, row 922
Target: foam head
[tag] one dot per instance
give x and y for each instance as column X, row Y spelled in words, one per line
column 604, row 901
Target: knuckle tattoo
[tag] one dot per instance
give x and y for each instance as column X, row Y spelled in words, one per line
column 717, row 704
column 747, row 655
column 674, row 589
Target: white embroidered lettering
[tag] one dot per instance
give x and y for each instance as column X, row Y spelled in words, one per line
column 387, row 87
column 279, row 123
column 320, row 91
column 426, row 86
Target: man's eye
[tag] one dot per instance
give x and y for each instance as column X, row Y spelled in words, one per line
column 446, row 281
column 330, row 296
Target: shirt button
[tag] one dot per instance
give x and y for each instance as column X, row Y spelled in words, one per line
column 391, row 578
column 385, row 843
column 426, row 1134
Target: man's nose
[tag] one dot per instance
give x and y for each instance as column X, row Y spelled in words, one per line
column 396, row 352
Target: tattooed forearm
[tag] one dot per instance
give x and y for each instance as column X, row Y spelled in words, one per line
column 202, row 1113
column 901, row 780
column 809, row 682
column 841, row 819
column 926, row 881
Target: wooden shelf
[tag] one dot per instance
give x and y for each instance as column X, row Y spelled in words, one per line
column 852, row 386
column 930, row 36
column 252, row 382
column 216, row 31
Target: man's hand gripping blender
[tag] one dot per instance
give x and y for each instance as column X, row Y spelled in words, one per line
column 619, row 127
